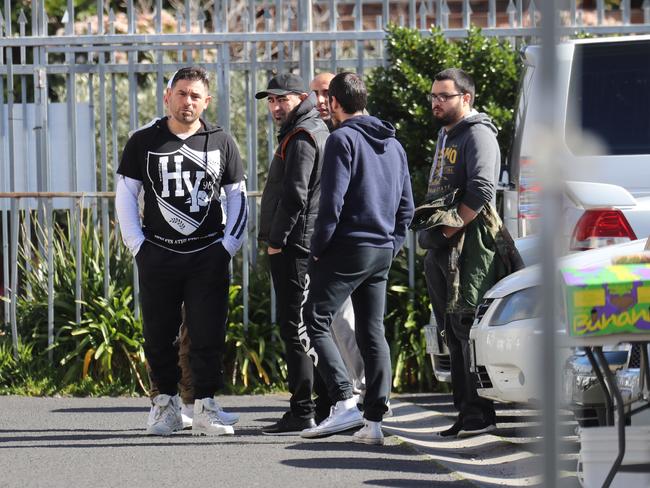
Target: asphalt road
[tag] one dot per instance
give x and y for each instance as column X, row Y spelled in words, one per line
column 100, row 442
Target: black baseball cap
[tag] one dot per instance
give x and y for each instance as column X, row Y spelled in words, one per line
column 283, row 84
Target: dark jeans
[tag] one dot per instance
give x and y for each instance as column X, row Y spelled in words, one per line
column 456, row 326
column 288, row 270
column 201, row 281
column 362, row 273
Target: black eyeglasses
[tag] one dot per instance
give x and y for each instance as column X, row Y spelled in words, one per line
column 443, row 97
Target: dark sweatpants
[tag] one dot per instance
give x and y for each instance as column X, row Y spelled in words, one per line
column 201, row 280
column 362, row 273
column 456, row 327
column 288, row 270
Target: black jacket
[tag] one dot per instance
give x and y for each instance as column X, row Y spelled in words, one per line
column 292, row 191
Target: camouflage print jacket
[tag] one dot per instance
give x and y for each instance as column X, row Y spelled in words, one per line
column 479, row 255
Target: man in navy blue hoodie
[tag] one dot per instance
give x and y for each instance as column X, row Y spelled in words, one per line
column 365, row 207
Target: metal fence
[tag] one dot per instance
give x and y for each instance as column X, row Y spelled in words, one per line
column 71, row 89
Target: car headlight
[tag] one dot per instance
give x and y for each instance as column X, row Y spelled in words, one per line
column 579, row 376
column 521, row 305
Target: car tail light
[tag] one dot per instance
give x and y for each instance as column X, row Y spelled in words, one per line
column 528, row 196
column 601, row 227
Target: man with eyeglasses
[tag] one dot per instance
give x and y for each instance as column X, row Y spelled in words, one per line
column 467, row 161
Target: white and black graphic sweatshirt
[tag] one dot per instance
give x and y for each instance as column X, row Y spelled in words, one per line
column 182, row 181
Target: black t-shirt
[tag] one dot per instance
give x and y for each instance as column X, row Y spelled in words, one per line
column 182, row 180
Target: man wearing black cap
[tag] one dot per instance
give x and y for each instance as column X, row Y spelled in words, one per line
column 288, row 212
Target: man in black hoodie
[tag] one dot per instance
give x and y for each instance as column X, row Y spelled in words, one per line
column 467, row 159
column 287, row 214
column 365, row 208
column 183, row 249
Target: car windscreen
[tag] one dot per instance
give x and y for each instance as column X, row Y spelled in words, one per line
column 610, row 90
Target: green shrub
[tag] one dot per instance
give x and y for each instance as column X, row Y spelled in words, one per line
column 103, row 353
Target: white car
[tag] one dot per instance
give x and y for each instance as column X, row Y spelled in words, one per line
column 601, row 109
column 506, row 334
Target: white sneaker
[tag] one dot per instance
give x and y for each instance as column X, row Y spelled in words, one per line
column 226, row 418
column 206, row 419
column 187, row 412
column 152, row 415
column 165, row 415
column 370, row 434
column 343, row 416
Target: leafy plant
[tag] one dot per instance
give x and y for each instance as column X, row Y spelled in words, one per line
column 32, row 307
column 408, row 313
column 254, row 356
column 107, row 342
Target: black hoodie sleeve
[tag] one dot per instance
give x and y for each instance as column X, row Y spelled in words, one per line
column 299, row 164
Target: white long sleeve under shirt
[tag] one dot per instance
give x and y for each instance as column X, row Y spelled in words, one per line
column 128, row 214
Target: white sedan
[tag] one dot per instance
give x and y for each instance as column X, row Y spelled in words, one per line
column 506, row 333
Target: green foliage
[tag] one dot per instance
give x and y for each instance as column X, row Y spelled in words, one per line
column 16, row 370
column 397, row 92
column 107, row 343
column 253, row 360
column 105, row 347
column 408, row 313
column 103, row 353
column 32, row 305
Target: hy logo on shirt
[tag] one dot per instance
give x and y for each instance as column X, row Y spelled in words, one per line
column 183, row 181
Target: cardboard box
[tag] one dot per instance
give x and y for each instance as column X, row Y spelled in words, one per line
column 606, row 300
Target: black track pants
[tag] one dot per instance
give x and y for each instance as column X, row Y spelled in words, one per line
column 200, row 280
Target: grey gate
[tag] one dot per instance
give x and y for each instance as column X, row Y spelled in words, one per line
column 71, row 90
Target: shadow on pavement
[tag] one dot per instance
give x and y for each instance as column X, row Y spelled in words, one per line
column 509, row 456
column 255, row 409
column 101, row 409
column 366, row 463
column 397, row 483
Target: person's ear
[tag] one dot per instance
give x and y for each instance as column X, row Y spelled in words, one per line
column 303, row 96
column 334, row 104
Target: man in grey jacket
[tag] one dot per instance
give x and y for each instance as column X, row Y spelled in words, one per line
column 288, row 211
column 467, row 159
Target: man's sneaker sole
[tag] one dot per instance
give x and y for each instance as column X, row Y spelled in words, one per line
column 152, row 431
column 470, row 433
column 221, row 430
column 229, row 422
column 290, row 433
column 373, row 441
column 315, row 432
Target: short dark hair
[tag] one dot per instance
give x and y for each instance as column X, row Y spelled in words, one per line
column 192, row 73
column 464, row 83
column 350, row 92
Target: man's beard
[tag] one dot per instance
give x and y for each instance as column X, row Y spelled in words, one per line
column 447, row 118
